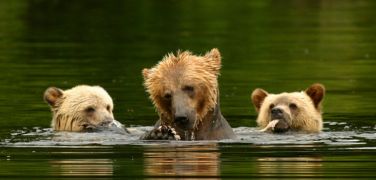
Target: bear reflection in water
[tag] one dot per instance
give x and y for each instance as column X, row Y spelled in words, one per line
column 182, row 161
column 289, row 166
column 82, row 167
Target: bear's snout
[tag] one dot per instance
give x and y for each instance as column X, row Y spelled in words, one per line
column 281, row 127
column 277, row 113
column 181, row 120
column 106, row 122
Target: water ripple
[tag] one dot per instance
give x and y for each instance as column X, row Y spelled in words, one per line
column 247, row 135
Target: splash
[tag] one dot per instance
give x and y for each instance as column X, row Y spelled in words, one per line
column 362, row 137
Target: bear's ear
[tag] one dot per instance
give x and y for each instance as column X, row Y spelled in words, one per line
column 52, row 94
column 214, row 56
column 316, row 92
column 145, row 73
column 258, row 96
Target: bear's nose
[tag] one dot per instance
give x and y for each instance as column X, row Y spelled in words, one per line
column 106, row 122
column 181, row 119
column 277, row 112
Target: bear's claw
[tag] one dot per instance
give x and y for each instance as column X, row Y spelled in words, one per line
column 163, row 132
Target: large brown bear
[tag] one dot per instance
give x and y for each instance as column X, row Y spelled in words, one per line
column 296, row 111
column 184, row 90
column 82, row 108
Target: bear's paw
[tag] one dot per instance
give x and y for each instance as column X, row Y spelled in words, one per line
column 163, row 132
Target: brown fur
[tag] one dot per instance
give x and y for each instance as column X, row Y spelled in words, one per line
column 301, row 111
column 186, row 84
column 81, row 108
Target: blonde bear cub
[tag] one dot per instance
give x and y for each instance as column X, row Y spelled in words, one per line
column 80, row 109
column 295, row 111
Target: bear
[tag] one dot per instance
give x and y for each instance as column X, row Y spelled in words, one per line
column 295, row 111
column 184, row 90
column 80, row 109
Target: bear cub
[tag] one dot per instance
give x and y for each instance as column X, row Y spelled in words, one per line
column 81, row 109
column 295, row 111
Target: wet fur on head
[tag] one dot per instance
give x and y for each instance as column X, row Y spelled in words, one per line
column 175, row 71
column 301, row 110
column 69, row 108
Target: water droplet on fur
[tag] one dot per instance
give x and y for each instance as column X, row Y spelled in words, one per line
column 186, row 136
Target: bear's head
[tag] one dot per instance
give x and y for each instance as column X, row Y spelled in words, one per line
column 82, row 108
column 298, row 111
column 184, row 87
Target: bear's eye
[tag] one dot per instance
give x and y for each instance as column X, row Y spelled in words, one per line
column 167, row 96
column 108, row 108
column 293, row 106
column 271, row 106
column 188, row 89
column 90, row 109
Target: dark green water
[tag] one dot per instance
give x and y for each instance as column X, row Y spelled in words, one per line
column 276, row 45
